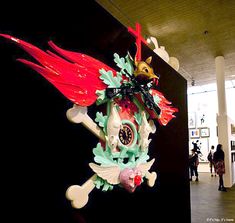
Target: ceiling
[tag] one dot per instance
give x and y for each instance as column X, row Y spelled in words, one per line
column 194, row 31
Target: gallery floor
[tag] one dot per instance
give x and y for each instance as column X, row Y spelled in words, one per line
column 210, row 205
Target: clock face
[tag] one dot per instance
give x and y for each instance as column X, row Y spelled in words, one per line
column 126, row 135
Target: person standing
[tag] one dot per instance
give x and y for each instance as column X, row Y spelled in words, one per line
column 218, row 160
column 193, row 164
column 210, row 159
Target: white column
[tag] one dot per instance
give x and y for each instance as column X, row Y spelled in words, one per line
column 219, row 67
column 222, row 119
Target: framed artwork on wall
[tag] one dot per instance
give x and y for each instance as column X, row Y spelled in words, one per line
column 201, row 120
column 191, row 120
column 204, row 132
column 232, row 129
column 233, row 145
column 194, row 133
column 204, row 148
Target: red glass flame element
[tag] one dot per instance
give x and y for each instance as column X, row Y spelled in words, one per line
column 76, row 76
column 137, row 180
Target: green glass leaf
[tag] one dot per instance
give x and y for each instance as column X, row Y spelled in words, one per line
column 156, row 99
column 109, row 79
column 138, row 118
column 129, row 65
column 124, row 63
column 103, row 160
column 98, row 150
column 119, row 76
column 101, row 96
column 143, row 157
column 107, row 186
column 98, row 182
column 120, row 61
column 102, row 157
column 101, row 119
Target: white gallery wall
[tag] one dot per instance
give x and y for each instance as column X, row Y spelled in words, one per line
column 202, row 108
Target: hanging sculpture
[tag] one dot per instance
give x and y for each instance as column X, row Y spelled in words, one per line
column 132, row 103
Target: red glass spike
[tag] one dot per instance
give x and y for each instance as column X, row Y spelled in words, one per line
column 139, row 39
